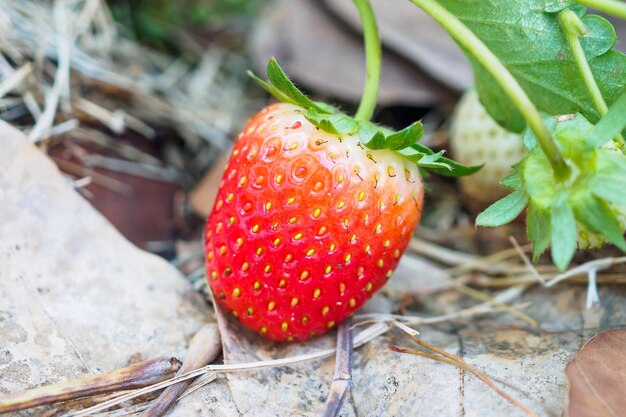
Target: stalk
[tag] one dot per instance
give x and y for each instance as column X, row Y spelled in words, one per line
column 468, row 40
column 373, row 58
column 615, row 8
column 573, row 28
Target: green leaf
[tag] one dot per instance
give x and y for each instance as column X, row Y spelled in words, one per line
column 434, row 161
column 538, row 229
column 320, row 120
column 279, row 80
column 514, row 179
column 344, row 124
column 529, row 139
column 611, row 123
column 563, row 236
column 538, row 56
column 598, row 217
column 270, row 88
column 398, row 140
column 609, row 182
column 375, row 141
column 453, row 169
column 504, row 211
column 610, row 189
column 554, row 6
column 428, row 160
column 601, row 36
column 336, row 123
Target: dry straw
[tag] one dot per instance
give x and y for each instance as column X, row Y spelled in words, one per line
column 66, row 64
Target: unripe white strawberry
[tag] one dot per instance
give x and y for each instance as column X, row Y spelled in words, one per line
column 475, row 138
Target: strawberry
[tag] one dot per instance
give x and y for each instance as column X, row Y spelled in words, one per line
column 307, row 224
column 312, row 215
column 476, row 138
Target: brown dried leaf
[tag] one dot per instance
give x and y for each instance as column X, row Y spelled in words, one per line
column 410, row 32
column 597, row 377
column 320, row 54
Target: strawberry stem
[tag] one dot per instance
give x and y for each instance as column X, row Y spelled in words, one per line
column 615, row 8
column 471, row 43
column 573, row 29
column 373, row 58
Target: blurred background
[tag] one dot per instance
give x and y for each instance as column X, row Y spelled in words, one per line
column 138, row 101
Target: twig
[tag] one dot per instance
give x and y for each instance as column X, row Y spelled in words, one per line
column 116, row 120
column 440, row 253
column 597, row 264
column 464, row 289
column 342, row 381
column 488, row 307
column 445, row 357
column 504, row 282
column 203, row 349
column 487, row 262
column 61, row 128
column 14, row 80
column 93, row 136
column 100, row 179
column 136, row 169
column 198, row 383
column 134, row 376
column 62, row 78
column 526, row 261
column 592, row 289
column 362, row 338
column 81, row 182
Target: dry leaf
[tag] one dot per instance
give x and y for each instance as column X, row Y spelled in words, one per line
column 409, row 31
column 597, row 377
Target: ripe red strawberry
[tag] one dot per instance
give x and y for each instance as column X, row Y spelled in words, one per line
column 313, row 213
column 307, row 225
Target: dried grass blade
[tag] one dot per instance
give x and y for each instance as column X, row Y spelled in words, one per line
column 445, row 357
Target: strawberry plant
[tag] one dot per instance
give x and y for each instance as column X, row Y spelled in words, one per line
column 316, row 207
column 559, row 61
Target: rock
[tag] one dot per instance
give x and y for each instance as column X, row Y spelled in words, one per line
column 76, row 298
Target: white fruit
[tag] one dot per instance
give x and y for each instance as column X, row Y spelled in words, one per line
column 475, row 138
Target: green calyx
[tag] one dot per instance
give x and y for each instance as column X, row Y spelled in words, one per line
column 332, row 120
column 584, row 210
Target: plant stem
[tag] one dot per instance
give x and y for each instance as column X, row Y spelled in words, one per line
column 573, row 29
column 373, row 58
column 342, row 381
column 469, row 41
column 615, row 8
